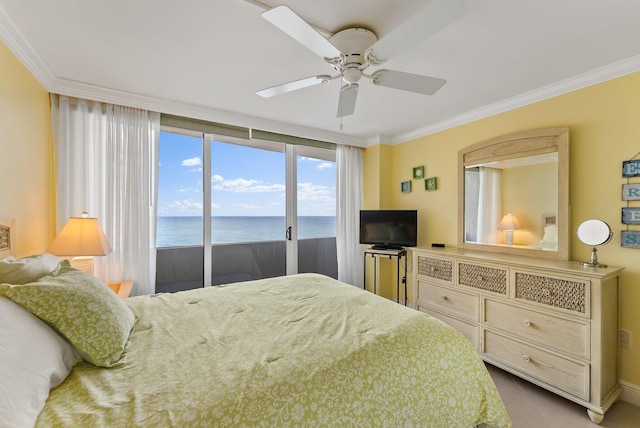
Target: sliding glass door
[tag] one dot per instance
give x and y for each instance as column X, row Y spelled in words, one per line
column 179, row 234
column 237, row 209
column 248, row 208
column 316, row 210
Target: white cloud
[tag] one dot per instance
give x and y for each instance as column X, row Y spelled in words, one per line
column 185, row 207
column 320, row 164
column 325, row 165
column 310, row 192
column 192, row 161
column 243, row 185
column 188, row 190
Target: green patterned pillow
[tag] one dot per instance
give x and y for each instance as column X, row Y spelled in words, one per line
column 82, row 309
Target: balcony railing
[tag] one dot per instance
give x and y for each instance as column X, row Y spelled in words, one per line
column 182, row 268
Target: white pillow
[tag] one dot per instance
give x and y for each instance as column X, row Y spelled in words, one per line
column 550, row 234
column 33, row 360
column 28, row 269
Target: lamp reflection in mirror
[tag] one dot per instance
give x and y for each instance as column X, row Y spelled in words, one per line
column 509, row 223
column 81, row 238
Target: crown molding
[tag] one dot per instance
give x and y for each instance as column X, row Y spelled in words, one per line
column 92, row 92
column 379, row 139
column 13, row 39
column 602, row 74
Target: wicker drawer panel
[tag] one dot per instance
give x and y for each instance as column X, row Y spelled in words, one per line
column 435, row 268
column 556, row 292
column 482, row 277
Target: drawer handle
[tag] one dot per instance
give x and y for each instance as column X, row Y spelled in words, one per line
column 527, row 323
column 444, row 298
column 526, row 358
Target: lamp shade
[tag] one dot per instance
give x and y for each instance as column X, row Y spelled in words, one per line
column 81, row 236
column 509, row 222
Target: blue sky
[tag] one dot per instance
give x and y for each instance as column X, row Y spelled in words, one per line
column 245, row 181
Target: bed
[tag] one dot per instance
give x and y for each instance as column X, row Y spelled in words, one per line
column 302, row 350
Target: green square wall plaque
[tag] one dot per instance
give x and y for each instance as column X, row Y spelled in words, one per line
column 431, row 183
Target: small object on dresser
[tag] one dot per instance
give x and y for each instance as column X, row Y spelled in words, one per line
column 437, row 245
column 121, row 288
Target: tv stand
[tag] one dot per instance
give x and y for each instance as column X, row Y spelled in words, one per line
column 387, row 248
column 385, row 251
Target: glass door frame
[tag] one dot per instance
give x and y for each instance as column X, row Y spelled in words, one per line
column 291, row 217
column 291, row 192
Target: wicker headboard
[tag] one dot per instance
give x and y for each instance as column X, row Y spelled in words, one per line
column 7, row 241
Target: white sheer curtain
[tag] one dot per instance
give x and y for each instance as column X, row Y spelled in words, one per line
column 107, row 165
column 490, row 207
column 349, row 202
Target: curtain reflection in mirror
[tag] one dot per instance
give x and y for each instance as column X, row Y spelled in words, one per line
column 483, row 205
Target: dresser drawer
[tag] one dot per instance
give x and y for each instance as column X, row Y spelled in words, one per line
column 447, row 300
column 432, row 267
column 483, row 277
column 564, row 374
column 570, row 295
column 564, row 335
column 468, row 330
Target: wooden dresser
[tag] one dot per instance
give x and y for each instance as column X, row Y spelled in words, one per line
column 551, row 322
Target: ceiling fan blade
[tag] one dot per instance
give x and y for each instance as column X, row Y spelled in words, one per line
column 437, row 15
column 292, row 86
column 407, row 82
column 347, row 100
column 297, row 28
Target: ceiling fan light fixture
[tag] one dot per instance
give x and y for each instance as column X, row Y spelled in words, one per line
column 351, row 75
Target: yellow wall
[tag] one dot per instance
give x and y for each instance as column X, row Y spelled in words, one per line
column 26, row 156
column 604, row 124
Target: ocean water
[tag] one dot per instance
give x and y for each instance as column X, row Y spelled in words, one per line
column 185, row 231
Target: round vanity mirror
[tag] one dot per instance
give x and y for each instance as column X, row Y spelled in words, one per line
column 594, row 233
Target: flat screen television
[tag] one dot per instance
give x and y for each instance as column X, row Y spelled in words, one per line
column 389, row 229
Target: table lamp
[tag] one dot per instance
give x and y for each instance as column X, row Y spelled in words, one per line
column 81, row 238
column 509, row 223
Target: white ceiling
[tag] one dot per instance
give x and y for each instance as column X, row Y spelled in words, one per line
column 206, row 59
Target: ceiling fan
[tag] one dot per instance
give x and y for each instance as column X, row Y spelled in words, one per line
column 352, row 50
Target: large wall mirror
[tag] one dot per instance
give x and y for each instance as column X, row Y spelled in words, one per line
column 514, row 194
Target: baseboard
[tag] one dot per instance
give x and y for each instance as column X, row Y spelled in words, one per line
column 630, row 393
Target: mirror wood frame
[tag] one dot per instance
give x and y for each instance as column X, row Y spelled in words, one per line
column 512, row 146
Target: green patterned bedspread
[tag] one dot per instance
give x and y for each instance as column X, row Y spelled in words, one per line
column 302, row 350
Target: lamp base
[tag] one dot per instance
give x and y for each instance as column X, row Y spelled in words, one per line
column 508, row 237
